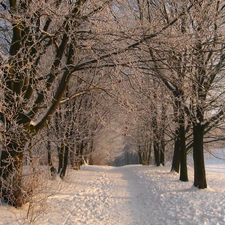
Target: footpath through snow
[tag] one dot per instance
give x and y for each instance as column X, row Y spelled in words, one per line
column 130, row 195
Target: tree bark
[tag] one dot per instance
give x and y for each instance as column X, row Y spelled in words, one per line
column 11, row 174
column 162, row 148
column 176, row 155
column 156, row 152
column 50, row 164
column 60, row 158
column 180, row 153
column 63, row 160
column 198, row 156
column 183, row 153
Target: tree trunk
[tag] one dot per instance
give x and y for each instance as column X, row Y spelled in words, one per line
column 11, row 175
column 162, row 147
column 63, row 160
column 60, row 157
column 198, row 156
column 176, row 155
column 183, row 154
column 162, row 131
column 156, row 152
column 162, row 157
column 156, row 138
column 140, row 155
column 72, row 157
column 50, row 164
column 180, row 153
column 149, row 152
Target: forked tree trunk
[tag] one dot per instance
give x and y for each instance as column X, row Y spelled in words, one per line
column 179, row 163
column 180, row 153
column 198, row 156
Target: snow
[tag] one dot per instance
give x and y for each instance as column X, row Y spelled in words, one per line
column 134, row 195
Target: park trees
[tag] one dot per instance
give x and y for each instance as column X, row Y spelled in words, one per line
column 40, row 43
column 188, row 58
column 207, row 57
column 199, row 68
column 45, row 44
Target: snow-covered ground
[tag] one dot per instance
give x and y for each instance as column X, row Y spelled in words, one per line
column 129, row 195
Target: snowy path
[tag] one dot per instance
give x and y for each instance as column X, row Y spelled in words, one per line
column 137, row 195
column 133, row 195
column 103, row 200
column 116, row 196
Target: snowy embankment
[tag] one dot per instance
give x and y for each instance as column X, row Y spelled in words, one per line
column 144, row 195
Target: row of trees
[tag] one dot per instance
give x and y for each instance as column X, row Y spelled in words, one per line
column 186, row 61
column 45, row 45
column 62, row 62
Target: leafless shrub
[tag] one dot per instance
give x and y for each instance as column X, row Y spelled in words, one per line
column 41, row 187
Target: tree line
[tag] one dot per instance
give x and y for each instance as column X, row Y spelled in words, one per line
column 64, row 64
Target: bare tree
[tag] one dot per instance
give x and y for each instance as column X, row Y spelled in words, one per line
column 47, row 43
column 43, row 40
column 192, row 72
